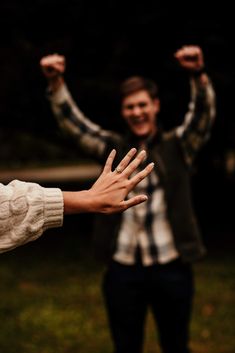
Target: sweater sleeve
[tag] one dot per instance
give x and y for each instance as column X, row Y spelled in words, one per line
column 26, row 211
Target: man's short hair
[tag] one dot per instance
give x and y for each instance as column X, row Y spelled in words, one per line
column 138, row 83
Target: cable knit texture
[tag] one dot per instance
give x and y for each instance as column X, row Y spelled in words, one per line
column 26, row 211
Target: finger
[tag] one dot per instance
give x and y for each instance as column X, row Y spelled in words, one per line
column 60, row 58
column 51, row 60
column 135, row 163
column 109, row 162
column 57, row 67
column 53, row 63
column 126, row 160
column 136, row 200
column 178, row 53
column 187, row 51
column 141, row 175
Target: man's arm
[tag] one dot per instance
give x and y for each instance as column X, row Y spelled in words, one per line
column 88, row 135
column 28, row 209
column 195, row 130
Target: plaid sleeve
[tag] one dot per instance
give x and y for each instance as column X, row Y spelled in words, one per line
column 88, row 135
column 198, row 121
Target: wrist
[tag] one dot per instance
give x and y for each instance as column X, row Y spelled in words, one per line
column 76, row 202
column 198, row 72
column 54, row 83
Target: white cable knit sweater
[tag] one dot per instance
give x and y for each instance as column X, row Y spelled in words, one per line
column 26, row 211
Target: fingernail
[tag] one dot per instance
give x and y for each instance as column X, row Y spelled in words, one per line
column 144, row 198
column 132, row 151
column 143, row 152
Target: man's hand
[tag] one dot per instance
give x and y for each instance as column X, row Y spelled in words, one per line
column 53, row 68
column 53, row 65
column 190, row 58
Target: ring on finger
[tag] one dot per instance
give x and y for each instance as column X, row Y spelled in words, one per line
column 118, row 170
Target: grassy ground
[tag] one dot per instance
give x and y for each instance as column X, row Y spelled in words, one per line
column 50, row 301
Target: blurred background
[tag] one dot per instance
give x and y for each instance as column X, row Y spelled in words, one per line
column 105, row 42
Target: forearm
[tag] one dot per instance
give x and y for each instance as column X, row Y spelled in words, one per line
column 203, row 96
column 196, row 128
column 201, row 111
column 88, row 135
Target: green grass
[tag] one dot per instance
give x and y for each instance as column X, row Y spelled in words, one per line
column 50, row 301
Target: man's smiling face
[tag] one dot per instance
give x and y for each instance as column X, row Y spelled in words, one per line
column 140, row 111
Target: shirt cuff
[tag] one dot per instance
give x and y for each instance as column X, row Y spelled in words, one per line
column 59, row 96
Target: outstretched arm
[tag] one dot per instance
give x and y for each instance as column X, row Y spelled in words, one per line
column 195, row 130
column 28, row 209
column 89, row 136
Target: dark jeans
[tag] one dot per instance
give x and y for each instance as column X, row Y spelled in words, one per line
column 166, row 289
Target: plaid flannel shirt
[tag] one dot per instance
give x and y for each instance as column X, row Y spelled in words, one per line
column 146, row 225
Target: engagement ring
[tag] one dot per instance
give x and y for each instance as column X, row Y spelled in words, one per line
column 118, row 170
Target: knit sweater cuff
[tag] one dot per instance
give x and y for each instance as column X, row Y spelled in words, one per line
column 54, row 208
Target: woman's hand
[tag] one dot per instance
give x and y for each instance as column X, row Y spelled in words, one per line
column 108, row 193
